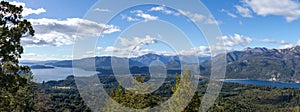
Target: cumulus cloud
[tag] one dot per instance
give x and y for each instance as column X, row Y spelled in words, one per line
column 235, row 40
column 146, row 17
column 164, row 10
column 195, row 17
column 244, row 11
column 53, row 32
column 28, row 11
column 290, row 9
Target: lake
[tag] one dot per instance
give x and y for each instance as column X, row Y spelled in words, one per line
column 58, row 73
column 264, row 83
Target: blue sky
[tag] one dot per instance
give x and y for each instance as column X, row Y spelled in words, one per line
column 243, row 23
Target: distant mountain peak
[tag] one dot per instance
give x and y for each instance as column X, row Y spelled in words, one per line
column 256, row 49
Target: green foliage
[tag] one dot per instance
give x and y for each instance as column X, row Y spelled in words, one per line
column 12, row 28
column 236, row 97
column 183, row 90
column 131, row 98
column 233, row 97
column 16, row 87
column 17, row 92
column 50, row 98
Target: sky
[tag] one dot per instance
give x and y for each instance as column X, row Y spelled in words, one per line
column 156, row 29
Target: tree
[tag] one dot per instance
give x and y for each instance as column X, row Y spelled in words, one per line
column 131, row 98
column 15, row 80
column 12, row 28
column 183, row 90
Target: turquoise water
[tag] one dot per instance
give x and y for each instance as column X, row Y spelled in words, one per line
column 265, row 83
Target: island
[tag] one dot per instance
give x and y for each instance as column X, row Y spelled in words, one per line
column 41, row 67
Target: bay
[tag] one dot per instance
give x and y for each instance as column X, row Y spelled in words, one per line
column 264, row 83
column 58, row 73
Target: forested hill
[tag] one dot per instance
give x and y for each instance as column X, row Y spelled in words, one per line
column 263, row 64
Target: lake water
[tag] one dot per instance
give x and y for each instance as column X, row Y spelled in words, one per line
column 58, row 73
column 265, row 83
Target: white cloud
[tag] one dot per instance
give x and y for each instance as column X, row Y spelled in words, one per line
column 286, row 46
column 137, row 41
column 268, row 41
column 281, row 42
column 133, row 46
column 28, row 11
column 244, row 11
column 164, row 10
column 132, row 19
column 99, row 48
column 235, row 40
column 298, row 42
column 229, row 13
column 102, row 10
column 29, row 54
column 290, row 9
column 146, row 17
column 53, row 32
column 129, row 19
column 44, row 57
column 195, row 17
column 199, row 51
column 110, row 49
column 121, row 52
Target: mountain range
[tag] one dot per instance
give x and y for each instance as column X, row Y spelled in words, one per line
column 251, row 63
column 264, row 64
column 140, row 61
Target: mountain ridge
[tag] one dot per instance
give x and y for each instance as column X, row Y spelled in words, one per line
column 264, row 64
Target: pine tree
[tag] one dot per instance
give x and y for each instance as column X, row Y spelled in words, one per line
column 182, row 92
column 131, row 98
column 16, row 87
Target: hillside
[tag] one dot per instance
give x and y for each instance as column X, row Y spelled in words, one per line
column 263, row 64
